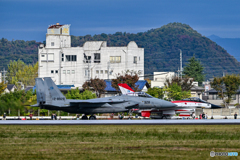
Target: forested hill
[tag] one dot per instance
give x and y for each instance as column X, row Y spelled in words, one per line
column 18, row 49
column 161, row 47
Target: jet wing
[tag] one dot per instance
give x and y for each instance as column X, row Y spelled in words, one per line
column 96, row 101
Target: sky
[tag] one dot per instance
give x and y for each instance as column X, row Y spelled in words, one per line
column 29, row 19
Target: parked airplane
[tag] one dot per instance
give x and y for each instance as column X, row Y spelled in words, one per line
column 184, row 108
column 49, row 97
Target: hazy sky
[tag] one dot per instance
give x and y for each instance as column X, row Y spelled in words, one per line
column 29, row 19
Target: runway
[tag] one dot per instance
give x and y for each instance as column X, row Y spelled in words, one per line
column 123, row 122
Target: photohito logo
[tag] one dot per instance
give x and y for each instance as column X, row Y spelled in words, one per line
column 212, row 153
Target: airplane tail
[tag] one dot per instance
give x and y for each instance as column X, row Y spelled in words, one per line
column 47, row 91
column 40, row 90
column 125, row 89
column 53, row 93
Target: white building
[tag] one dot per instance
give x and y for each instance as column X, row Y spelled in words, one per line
column 159, row 78
column 75, row 65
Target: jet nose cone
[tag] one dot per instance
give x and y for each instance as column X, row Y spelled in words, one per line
column 213, row 106
column 168, row 104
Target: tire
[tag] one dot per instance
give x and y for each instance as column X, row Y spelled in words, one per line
column 164, row 117
column 92, row 118
column 84, row 118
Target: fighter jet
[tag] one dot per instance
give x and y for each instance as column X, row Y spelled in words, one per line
column 184, row 107
column 49, row 97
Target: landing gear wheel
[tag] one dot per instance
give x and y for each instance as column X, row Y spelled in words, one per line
column 92, row 118
column 164, row 117
column 84, row 117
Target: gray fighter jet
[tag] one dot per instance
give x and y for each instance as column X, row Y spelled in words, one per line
column 49, row 97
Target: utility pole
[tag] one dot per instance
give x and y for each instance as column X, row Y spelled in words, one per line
column 4, row 75
column 180, row 63
column 178, row 71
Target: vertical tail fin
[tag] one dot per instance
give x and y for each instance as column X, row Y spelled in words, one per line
column 40, row 91
column 125, row 89
column 53, row 92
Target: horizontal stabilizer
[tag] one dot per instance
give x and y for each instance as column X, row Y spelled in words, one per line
column 35, row 105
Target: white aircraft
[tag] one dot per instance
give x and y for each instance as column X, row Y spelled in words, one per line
column 185, row 107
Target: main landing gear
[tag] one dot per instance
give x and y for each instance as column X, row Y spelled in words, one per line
column 84, row 117
column 92, row 117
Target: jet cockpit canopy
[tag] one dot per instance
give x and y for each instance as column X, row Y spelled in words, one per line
column 195, row 99
column 140, row 94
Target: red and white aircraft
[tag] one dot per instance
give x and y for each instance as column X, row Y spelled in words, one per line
column 185, row 107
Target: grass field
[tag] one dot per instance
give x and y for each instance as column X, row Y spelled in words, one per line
column 117, row 141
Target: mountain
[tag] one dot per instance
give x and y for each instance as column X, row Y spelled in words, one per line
column 161, row 45
column 230, row 44
column 18, row 49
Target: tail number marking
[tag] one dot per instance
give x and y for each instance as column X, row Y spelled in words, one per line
column 58, row 98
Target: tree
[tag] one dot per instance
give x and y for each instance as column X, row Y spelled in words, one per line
column 74, row 94
column 186, row 83
column 129, row 77
column 156, row 92
column 14, row 101
column 18, row 72
column 3, row 86
column 174, row 92
column 98, row 85
column 194, row 69
column 226, row 87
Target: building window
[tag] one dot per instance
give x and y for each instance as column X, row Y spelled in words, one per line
column 64, row 71
column 73, row 71
column 71, row 58
column 115, row 59
column 139, row 58
column 43, row 57
column 97, row 71
column 62, row 57
column 56, row 71
column 68, row 71
column 52, row 71
column 52, row 43
column 106, row 71
column 101, row 72
column 135, row 59
column 86, row 72
column 97, row 58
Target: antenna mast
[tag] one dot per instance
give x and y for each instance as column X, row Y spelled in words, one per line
column 180, row 63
